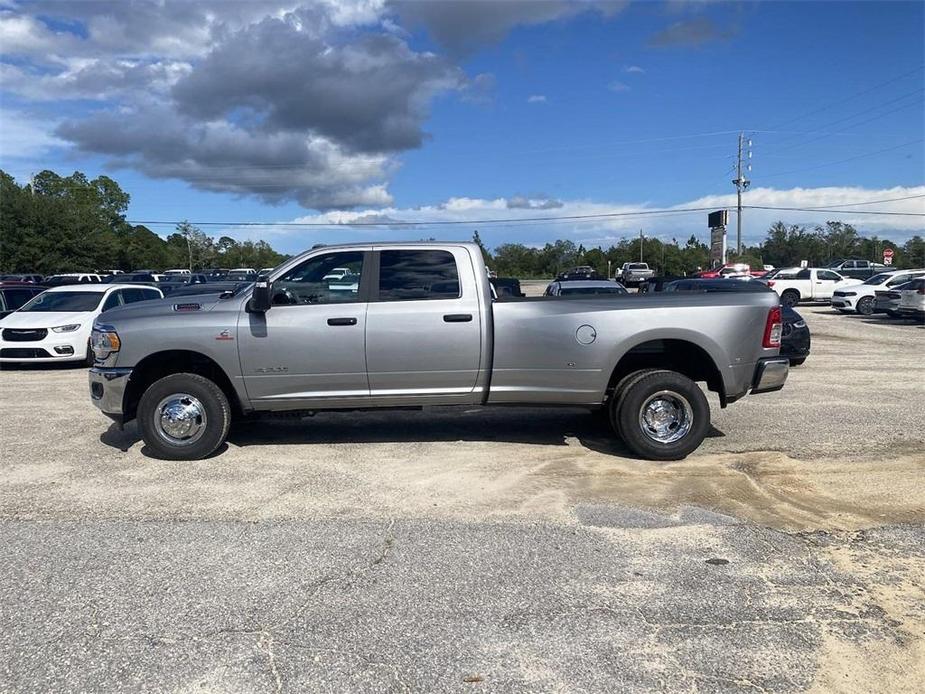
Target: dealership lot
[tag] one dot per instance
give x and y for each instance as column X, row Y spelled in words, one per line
column 504, row 549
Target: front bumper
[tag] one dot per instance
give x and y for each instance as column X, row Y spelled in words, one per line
column 52, row 348
column 107, row 390
column 844, row 303
column 770, row 374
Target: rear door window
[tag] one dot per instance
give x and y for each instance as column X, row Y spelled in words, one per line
column 130, row 296
column 803, row 275
column 416, row 275
column 112, row 300
column 827, row 275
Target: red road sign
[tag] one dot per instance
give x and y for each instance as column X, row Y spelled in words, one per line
column 887, row 252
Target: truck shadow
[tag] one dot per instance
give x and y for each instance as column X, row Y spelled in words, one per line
column 537, row 426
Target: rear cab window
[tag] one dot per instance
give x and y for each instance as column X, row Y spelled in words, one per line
column 414, row 275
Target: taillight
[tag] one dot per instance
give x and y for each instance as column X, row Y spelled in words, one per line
column 773, row 328
column 770, row 283
column 922, row 289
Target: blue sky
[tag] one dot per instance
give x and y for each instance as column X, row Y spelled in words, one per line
column 554, row 109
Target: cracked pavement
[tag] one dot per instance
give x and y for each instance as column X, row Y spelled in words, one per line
column 504, row 550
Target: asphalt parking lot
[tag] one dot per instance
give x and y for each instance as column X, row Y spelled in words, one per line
column 482, row 550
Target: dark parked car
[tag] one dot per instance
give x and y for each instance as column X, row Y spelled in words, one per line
column 887, row 300
column 31, row 279
column 210, row 288
column 584, row 288
column 582, row 272
column 15, row 294
column 795, row 338
column 657, row 284
column 507, row 286
column 171, row 286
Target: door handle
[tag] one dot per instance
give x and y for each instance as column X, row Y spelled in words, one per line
column 342, row 321
column 457, row 318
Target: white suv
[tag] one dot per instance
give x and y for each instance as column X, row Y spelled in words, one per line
column 861, row 297
column 56, row 324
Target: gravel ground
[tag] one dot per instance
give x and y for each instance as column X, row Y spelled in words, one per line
column 496, row 550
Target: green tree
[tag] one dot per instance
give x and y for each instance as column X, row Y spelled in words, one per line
column 486, row 255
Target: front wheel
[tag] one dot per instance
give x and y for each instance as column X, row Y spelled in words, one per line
column 865, row 306
column 183, row 416
column 663, row 415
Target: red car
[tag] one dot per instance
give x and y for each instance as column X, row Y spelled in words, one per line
column 732, row 269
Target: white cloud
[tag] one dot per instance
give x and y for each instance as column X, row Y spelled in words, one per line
column 634, row 70
column 618, row 87
column 23, row 136
column 536, row 99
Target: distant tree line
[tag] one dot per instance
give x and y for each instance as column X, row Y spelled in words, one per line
column 69, row 224
column 784, row 246
column 73, row 224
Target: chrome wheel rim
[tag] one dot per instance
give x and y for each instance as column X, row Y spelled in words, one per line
column 666, row 417
column 180, row 419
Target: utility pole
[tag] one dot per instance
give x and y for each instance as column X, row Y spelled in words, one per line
column 640, row 245
column 189, row 247
column 741, row 183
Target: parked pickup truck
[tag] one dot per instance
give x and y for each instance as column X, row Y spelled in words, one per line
column 634, row 274
column 421, row 328
column 795, row 284
column 856, row 268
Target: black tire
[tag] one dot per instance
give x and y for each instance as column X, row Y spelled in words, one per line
column 798, row 361
column 90, row 359
column 790, row 297
column 894, row 314
column 681, row 389
column 212, row 403
column 619, row 393
column 865, row 306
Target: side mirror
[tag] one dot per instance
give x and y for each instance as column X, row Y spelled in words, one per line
column 260, row 299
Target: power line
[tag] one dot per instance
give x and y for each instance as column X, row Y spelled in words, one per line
column 563, row 218
column 868, row 202
column 850, row 98
column 842, row 161
column 831, row 211
column 854, row 125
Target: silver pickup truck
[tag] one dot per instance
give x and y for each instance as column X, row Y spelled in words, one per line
column 416, row 324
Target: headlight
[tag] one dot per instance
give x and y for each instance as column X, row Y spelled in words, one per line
column 847, row 293
column 104, row 342
column 66, row 328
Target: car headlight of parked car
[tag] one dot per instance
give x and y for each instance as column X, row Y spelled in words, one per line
column 104, row 342
column 847, row 293
column 66, row 328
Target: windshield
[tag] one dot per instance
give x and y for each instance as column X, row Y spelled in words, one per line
column 879, row 279
column 572, row 291
column 64, row 301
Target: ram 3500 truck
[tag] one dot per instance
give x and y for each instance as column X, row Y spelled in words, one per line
column 415, row 324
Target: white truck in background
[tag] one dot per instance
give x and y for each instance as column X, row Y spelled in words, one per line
column 796, row 284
